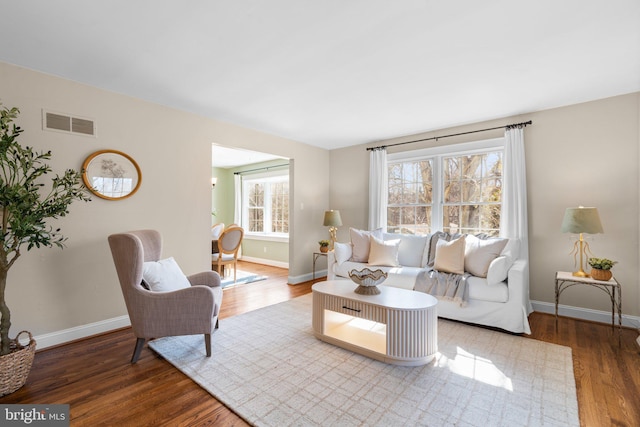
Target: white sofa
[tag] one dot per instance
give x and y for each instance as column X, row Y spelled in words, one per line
column 500, row 300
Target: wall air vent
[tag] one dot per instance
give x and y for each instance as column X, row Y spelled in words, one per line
column 58, row 122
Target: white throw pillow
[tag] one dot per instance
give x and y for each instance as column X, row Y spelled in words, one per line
column 164, row 275
column 361, row 242
column 479, row 253
column 499, row 267
column 450, row 256
column 342, row 252
column 512, row 250
column 498, row 270
column 411, row 248
column 384, row 252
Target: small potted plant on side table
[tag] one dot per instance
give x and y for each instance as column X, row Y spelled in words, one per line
column 324, row 245
column 601, row 268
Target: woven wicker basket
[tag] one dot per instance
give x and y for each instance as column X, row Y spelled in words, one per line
column 15, row 366
column 603, row 275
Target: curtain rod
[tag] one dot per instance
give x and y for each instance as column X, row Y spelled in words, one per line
column 261, row 169
column 514, row 125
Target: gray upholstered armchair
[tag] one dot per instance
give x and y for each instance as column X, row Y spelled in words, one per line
column 189, row 311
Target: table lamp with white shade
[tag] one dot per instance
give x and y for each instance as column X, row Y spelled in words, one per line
column 581, row 220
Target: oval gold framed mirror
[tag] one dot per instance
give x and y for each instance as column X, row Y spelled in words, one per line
column 111, row 174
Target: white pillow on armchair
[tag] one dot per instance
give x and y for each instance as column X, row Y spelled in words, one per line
column 164, row 275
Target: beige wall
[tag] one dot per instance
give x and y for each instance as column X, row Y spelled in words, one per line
column 53, row 290
column 585, row 154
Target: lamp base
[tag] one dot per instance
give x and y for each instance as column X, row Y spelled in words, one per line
column 581, row 248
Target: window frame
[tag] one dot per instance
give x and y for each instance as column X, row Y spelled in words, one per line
column 264, row 178
column 436, row 155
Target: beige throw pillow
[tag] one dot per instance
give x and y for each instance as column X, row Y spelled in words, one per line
column 479, row 254
column 450, row 256
column 384, row 252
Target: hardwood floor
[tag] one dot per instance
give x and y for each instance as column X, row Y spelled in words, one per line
column 95, row 378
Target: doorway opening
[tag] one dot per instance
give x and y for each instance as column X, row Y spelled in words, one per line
column 251, row 189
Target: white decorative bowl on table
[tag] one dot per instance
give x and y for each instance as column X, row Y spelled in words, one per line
column 368, row 280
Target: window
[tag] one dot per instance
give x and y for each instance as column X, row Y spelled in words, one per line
column 410, row 197
column 266, row 205
column 441, row 189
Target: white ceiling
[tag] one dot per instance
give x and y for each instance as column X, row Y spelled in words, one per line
column 334, row 73
column 226, row 157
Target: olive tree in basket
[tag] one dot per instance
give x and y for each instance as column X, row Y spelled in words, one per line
column 26, row 204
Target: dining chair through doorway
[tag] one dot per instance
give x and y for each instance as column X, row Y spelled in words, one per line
column 228, row 249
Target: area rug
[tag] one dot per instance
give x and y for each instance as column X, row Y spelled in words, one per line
column 242, row 277
column 270, row 370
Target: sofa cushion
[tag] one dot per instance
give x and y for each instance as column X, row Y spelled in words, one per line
column 412, row 248
column 449, row 256
column 342, row 252
column 361, row 242
column 480, row 290
column 384, row 252
column 480, row 252
column 164, row 275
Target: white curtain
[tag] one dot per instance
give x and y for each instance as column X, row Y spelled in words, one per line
column 237, row 209
column 514, row 223
column 378, row 189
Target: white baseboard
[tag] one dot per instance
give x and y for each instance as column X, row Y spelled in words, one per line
column 265, row 261
column 60, row 337
column 84, row 331
column 584, row 313
column 296, row 280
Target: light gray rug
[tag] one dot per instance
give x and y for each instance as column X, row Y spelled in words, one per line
column 269, row 368
column 242, row 278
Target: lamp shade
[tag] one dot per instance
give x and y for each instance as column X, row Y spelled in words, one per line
column 582, row 220
column 332, row 219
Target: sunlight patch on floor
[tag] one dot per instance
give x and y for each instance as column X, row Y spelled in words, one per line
column 475, row 367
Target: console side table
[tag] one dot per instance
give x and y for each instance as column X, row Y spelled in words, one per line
column 315, row 258
column 611, row 287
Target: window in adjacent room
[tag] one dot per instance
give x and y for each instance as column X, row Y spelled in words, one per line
column 457, row 189
column 266, row 205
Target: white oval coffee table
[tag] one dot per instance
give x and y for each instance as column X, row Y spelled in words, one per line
column 397, row 326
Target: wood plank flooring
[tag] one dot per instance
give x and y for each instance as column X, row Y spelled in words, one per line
column 95, row 378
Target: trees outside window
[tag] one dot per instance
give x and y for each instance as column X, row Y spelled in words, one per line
column 456, row 192
column 410, row 197
column 266, row 205
column 472, row 193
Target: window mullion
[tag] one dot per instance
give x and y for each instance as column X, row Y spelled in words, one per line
column 438, row 196
column 267, row 226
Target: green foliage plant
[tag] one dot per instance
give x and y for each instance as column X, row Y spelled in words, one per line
column 26, row 205
column 601, row 263
column 324, row 243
